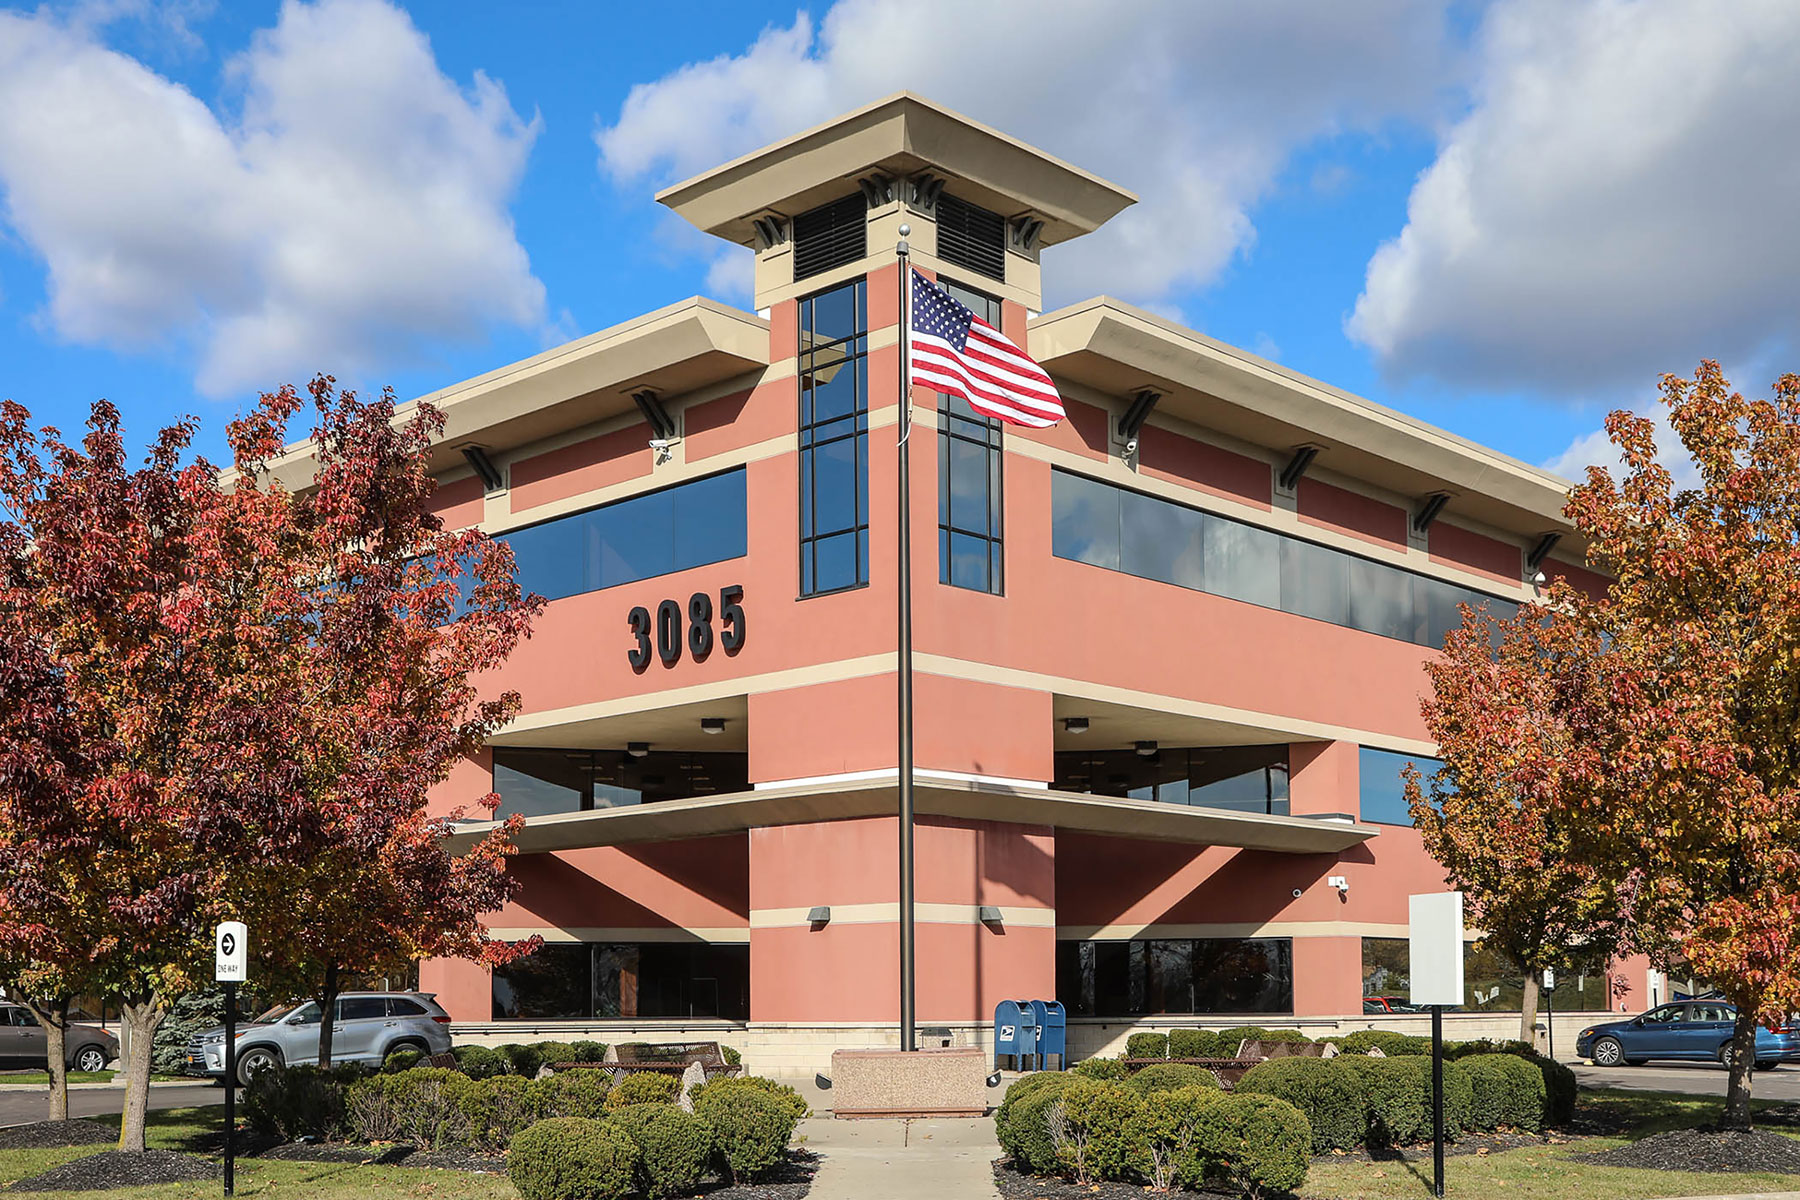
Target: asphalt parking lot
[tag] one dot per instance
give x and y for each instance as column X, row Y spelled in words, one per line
column 19, row 1105
column 1697, row 1079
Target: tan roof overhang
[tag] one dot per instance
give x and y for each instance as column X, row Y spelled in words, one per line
column 689, row 345
column 803, row 804
column 1115, row 348
column 898, row 136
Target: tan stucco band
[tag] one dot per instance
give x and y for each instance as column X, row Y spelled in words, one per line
column 976, row 800
column 1306, row 929
column 614, row 933
column 1118, row 349
column 887, row 914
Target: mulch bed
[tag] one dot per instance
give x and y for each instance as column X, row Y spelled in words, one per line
column 790, row 1181
column 1015, row 1186
column 1469, row 1143
column 118, row 1169
column 56, row 1135
column 1706, row 1150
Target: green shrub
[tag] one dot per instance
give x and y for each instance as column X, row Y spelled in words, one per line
column 1163, row 1136
column 1398, row 1094
column 792, row 1100
column 588, row 1052
column 1101, row 1068
column 674, row 1148
column 750, row 1128
column 1091, row 1128
column 497, row 1110
column 1508, row 1089
column 732, row 1057
column 644, row 1087
column 297, row 1102
column 482, row 1062
column 1387, row 1041
column 403, row 1059
column 1253, row 1144
column 1147, row 1045
column 522, row 1058
column 423, row 1105
column 576, row 1093
column 1333, row 1100
column 573, row 1158
column 1559, row 1089
column 1194, row 1043
column 1166, row 1077
column 1022, row 1122
column 551, row 1053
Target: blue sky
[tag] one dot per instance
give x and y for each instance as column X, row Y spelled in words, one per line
column 1504, row 219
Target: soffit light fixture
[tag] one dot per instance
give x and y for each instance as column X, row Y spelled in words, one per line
column 1075, row 724
column 637, row 749
column 712, row 724
column 1146, row 749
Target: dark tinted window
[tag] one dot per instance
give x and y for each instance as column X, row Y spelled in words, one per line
column 1176, row 975
column 399, row 1007
column 1106, row 526
column 834, row 440
column 969, row 478
column 689, row 525
column 626, row 980
column 363, row 1008
column 536, row 781
column 1244, row 778
column 1383, row 798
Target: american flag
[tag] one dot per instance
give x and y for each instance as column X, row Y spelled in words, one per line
column 956, row 352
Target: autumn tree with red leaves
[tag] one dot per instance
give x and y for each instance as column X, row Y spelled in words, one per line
column 1654, row 727
column 1518, row 710
column 239, row 695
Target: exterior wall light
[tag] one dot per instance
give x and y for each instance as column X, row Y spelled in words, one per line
column 989, row 915
column 712, row 724
column 1075, row 724
column 1146, row 749
column 818, row 916
column 637, row 749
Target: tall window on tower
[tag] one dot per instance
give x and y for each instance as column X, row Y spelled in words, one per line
column 969, row 493
column 834, row 440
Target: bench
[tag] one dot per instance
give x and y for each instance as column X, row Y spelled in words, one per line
column 668, row 1058
column 442, row 1060
column 1228, row 1071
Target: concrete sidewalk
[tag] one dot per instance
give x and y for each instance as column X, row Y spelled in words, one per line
column 928, row 1158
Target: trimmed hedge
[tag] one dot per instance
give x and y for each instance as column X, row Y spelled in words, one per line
column 1334, row 1102
column 1147, row 1045
column 573, row 1158
column 401, row 1060
column 751, row 1128
column 1166, row 1077
column 1022, row 1122
column 1091, row 1127
column 426, row 1106
column 1387, row 1041
column 1193, row 1043
column 576, row 1093
column 1398, row 1094
column 300, row 1101
column 674, row 1148
column 495, row 1111
column 1253, row 1144
column 482, row 1062
column 1509, row 1090
column 644, row 1087
column 1101, row 1068
column 792, row 1100
column 588, row 1052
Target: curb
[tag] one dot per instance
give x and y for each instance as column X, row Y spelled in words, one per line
column 101, row 1087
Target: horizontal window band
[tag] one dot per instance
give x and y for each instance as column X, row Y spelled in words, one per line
column 574, row 934
column 1151, row 931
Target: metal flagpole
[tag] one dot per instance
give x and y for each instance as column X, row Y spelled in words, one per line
column 908, row 1040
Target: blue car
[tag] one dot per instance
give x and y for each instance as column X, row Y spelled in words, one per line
column 1692, row 1030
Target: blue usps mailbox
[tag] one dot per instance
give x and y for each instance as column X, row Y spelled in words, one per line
column 1052, row 1033
column 1015, row 1034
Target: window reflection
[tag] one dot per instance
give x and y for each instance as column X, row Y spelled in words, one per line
column 1383, row 792
column 625, row 981
column 1243, row 778
column 1105, row 526
column 834, row 440
column 535, row 782
column 1176, row 976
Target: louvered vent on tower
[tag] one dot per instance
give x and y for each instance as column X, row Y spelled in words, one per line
column 831, row 235
column 971, row 236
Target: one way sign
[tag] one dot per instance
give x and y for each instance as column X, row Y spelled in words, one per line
column 232, row 958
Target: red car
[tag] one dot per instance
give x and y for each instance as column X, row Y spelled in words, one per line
column 1373, row 1005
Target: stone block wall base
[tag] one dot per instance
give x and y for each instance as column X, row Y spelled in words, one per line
column 909, row 1083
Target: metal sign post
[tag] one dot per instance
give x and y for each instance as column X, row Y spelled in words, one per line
column 1550, row 1009
column 1435, row 947
column 231, row 944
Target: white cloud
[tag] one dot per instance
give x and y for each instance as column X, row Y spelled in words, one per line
column 353, row 212
column 1595, row 449
column 1194, row 105
column 1618, row 202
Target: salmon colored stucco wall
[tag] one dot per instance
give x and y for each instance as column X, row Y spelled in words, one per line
column 1327, row 976
column 846, row 970
column 700, row 883
column 459, row 504
column 1323, row 777
column 583, row 466
column 1455, row 546
column 1164, row 454
column 470, row 779
column 464, row 988
column 739, row 420
column 1349, row 512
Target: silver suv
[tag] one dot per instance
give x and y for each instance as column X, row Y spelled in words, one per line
column 370, row 1026
column 24, row 1044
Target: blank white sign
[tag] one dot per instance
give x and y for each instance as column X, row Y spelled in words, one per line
column 1436, row 937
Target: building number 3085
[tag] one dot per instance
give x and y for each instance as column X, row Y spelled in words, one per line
column 668, row 628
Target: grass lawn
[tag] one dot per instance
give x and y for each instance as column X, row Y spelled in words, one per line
column 42, row 1078
column 1554, row 1172
column 171, row 1129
